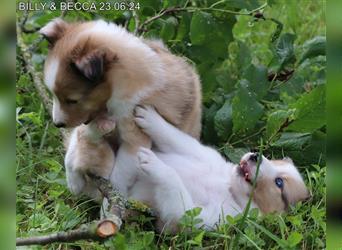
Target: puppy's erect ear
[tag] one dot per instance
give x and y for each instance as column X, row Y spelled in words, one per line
column 93, row 64
column 288, row 159
column 54, row 30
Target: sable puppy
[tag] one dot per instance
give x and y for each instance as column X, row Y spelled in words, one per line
column 97, row 67
column 180, row 174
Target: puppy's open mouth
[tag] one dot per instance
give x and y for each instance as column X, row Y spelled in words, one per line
column 245, row 170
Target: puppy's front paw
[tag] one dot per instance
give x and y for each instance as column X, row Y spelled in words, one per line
column 105, row 125
column 76, row 182
column 145, row 116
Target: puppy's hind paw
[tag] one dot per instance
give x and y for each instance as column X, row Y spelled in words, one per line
column 152, row 166
column 146, row 157
column 148, row 162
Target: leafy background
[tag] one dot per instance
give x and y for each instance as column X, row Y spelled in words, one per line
column 262, row 67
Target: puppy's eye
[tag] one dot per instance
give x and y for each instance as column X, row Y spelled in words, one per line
column 70, row 101
column 279, row 182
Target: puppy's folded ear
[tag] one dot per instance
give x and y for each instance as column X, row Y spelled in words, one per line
column 93, row 64
column 54, row 30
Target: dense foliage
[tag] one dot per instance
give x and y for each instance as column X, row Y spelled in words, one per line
column 262, row 67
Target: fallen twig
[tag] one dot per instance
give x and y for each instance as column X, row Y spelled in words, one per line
column 29, row 66
column 141, row 28
column 96, row 230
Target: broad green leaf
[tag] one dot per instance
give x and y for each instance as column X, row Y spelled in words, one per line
column 243, row 4
column 303, row 149
column 253, row 213
column 240, row 56
column 231, row 220
column 292, row 141
column 235, row 154
column 199, row 237
column 225, row 78
column 202, row 27
column 168, row 29
column 295, row 220
column 275, row 121
column 208, row 31
column 40, row 221
column 283, row 52
column 149, row 7
column 171, row 3
column 246, row 111
column 310, row 111
column 223, row 120
column 208, row 79
column 119, row 241
column 184, row 27
column 209, row 134
column 257, row 83
column 313, row 48
column 201, row 55
column 148, row 238
column 293, row 88
column 194, row 212
column 294, row 239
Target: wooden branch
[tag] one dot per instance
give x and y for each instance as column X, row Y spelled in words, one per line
column 108, row 226
column 141, row 27
column 136, row 22
column 36, row 77
column 96, row 230
column 159, row 15
column 117, row 204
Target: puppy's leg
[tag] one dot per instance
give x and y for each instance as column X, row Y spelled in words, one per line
column 87, row 151
column 171, row 196
column 124, row 173
column 166, row 137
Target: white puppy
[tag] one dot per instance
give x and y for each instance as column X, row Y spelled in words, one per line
column 180, row 174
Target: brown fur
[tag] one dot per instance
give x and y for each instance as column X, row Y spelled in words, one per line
column 98, row 153
column 179, row 101
column 270, row 198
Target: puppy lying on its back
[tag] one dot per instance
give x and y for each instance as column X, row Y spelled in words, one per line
column 180, row 174
column 96, row 67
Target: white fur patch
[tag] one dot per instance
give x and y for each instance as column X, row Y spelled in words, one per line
column 58, row 115
column 51, row 73
column 75, row 180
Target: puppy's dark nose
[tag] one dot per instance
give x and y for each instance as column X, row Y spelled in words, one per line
column 254, row 157
column 60, row 125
